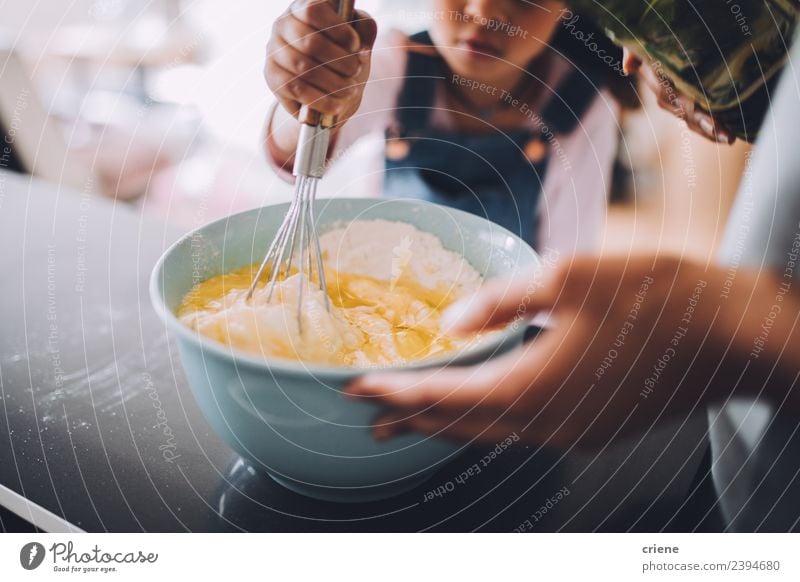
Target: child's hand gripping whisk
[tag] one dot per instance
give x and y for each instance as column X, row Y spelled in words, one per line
column 319, row 82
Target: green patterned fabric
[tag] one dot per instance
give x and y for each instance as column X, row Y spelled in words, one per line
column 723, row 53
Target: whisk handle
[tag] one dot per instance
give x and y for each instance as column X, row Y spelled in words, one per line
column 307, row 115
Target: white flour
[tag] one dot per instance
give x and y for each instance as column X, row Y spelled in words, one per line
column 386, row 250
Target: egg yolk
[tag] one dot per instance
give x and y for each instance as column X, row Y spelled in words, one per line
column 370, row 321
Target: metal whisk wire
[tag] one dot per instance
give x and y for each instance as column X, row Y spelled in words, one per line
column 299, row 228
column 300, row 224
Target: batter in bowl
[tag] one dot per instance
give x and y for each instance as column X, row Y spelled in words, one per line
column 388, row 284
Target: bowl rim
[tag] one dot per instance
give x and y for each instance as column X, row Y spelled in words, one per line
column 492, row 344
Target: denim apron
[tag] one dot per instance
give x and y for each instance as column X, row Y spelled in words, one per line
column 497, row 175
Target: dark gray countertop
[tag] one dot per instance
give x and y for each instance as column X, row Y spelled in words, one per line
column 90, row 381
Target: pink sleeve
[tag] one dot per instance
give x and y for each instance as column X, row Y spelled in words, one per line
column 378, row 103
column 578, row 181
column 282, row 171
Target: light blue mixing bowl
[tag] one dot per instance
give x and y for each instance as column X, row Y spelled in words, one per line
column 290, row 418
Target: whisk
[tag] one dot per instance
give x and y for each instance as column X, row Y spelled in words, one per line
column 299, row 227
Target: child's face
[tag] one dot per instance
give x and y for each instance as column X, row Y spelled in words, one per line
column 490, row 40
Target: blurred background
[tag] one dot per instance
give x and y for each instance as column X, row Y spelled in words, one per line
column 161, row 105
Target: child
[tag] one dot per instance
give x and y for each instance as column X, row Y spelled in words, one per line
column 487, row 111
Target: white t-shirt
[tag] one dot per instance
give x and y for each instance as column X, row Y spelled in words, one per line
column 756, row 446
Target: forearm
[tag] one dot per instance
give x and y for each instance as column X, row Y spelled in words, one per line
column 280, row 138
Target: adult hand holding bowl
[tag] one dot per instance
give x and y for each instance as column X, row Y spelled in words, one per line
column 291, row 418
